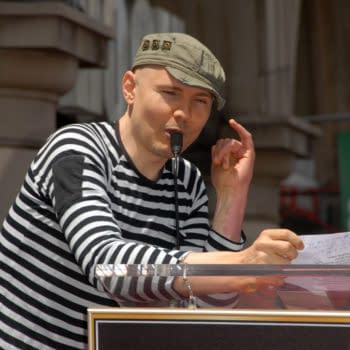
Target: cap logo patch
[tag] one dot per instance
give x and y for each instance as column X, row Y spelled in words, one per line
column 155, row 44
column 166, row 45
column 145, row 45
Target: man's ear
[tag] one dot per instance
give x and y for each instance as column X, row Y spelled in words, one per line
column 128, row 86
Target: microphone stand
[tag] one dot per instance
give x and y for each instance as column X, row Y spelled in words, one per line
column 176, row 147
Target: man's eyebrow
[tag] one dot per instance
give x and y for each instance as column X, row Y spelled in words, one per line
column 174, row 87
column 205, row 93
column 169, row 86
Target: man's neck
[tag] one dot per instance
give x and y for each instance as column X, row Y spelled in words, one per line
column 148, row 165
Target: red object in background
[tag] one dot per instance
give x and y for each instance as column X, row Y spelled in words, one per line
column 315, row 210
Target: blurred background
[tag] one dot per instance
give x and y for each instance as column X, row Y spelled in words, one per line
column 288, row 82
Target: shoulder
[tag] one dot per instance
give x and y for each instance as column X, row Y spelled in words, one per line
column 89, row 140
column 81, row 131
column 80, row 137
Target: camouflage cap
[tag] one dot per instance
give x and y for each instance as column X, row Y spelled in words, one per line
column 186, row 59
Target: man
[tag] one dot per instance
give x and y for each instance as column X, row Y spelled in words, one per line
column 102, row 194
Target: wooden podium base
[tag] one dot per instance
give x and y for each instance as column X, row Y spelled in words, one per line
column 217, row 329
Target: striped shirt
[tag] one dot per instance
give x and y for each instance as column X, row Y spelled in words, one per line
column 84, row 203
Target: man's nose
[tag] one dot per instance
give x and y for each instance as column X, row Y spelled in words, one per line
column 182, row 112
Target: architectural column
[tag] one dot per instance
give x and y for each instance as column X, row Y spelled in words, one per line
column 279, row 136
column 279, row 32
column 42, row 45
column 261, row 83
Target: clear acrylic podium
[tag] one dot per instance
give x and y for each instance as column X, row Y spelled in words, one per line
column 309, row 310
column 304, row 287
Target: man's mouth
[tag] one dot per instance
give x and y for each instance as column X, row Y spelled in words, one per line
column 172, row 130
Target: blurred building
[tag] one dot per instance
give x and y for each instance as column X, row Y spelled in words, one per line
column 287, row 81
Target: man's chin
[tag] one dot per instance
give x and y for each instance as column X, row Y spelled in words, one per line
column 163, row 153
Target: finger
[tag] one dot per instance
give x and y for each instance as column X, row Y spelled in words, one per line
column 226, row 162
column 288, row 253
column 284, row 235
column 244, row 135
column 274, row 251
column 215, row 153
column 282, row 251
column 284, row 259
column 227, row 150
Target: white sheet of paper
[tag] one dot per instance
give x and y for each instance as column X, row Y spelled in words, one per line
column 327, row 249
column 332, row 248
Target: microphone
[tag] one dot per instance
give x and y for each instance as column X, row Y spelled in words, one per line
column 176, row 142
column 176, row 147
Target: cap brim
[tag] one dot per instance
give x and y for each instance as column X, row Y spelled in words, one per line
column 190, row 80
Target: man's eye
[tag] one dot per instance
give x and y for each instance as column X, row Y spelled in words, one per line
column 202, row 100
column 169, row 92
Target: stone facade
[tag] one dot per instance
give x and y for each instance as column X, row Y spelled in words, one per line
column 42, row 46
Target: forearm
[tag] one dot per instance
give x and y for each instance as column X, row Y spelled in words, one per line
column 229, row 214
column 204, row 285
column 271, row 247
column 231, row 174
